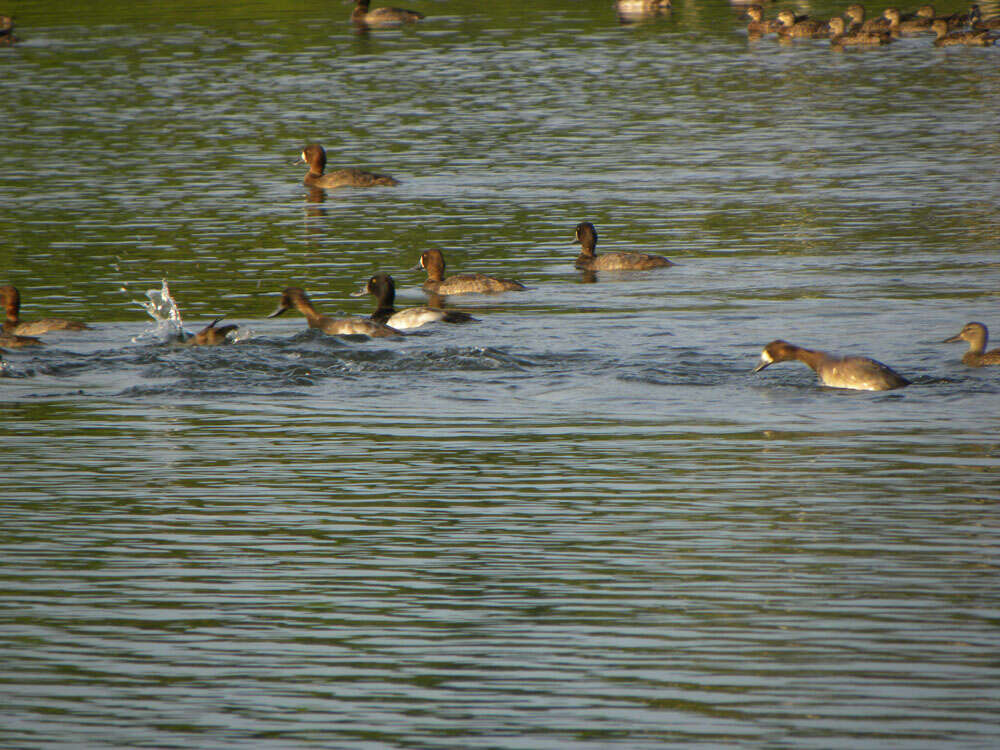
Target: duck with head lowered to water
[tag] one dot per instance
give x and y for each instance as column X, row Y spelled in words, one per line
column 857, row 373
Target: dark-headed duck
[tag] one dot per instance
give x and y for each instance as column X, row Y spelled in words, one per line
column 859, row 373
column 381, row 17
column 315, row 156
column 432, row 261
column 11, row 300
column 977, row 335
column 589, row 260
column 295, row 297
column 383, row 288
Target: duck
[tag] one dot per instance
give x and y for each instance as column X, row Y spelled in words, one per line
column 757, row 25
column 977, row 22
column 841, row 38
column 295, row 297
column 977, row 335
column 856, row 13
column 13, row 341
column 383, row 288
column 382, row 17
column 589, row 260
column 954, row 21
column 857, row 373
column 630, row 11
column 899, row 25
column 315, row 156
column 11, row 300
column 806, row 28
column 973, row 38
column 7, row 30
column 212, row 336
column 432, row 261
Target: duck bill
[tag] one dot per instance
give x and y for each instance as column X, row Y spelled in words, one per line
column 361, row 292
column 276, row 313
column 761, row 365
column 953, row 339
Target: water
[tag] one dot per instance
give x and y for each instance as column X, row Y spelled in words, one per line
column 580, row 523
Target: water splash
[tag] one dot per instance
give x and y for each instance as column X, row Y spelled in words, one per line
column 163, row 309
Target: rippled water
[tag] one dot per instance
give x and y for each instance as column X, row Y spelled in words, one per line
column 578, row 523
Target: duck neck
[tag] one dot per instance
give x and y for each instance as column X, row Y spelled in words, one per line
column 383, row 313
column 305, row 306
column 810, row 357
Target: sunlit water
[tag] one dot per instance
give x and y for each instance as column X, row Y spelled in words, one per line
column 580, row 522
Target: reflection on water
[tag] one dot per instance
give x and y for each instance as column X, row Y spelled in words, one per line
column 580, row 523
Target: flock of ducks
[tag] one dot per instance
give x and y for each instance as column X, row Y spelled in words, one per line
column 859, row 373
column 875, row 32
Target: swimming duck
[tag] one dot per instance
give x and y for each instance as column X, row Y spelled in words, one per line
column 807, row 28
column 382, row 17
column 858, row 373
column 295, row 297
column 466, row 283
column 589, row 260
column 977, row 335
column 7, row 31
column 383, row 288
column 857, row 38
column 315, row 156
column 954, row 21
column 897, row 25
column 969, row 38
column 11, row 300
column 212, row 336
column 630, row 11
column 856, row 14
column 757, row 25
column 977, row 22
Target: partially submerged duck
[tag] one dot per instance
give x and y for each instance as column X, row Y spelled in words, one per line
column 977, row 335
column 382, row 17
column 212, row 336
column 858, row 373
column 589, row 260
column 315, row 156
column 432, row 261
column 11, row 300
column 383, row 288
column 295, row 297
